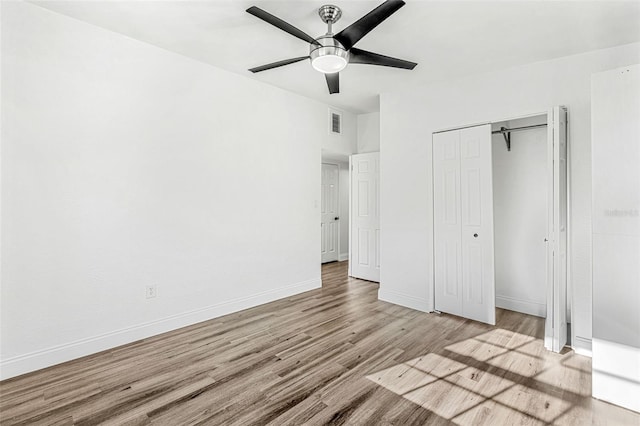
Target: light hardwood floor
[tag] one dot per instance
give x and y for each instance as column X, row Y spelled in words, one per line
column 331, row 356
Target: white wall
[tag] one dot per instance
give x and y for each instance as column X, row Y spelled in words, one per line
column 408, row 119
column 616, row 236
column 368, row 133
column 339, row 145
column 520, row 217
column 125, row 165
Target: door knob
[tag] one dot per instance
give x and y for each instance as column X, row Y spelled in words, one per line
column 336, row 218
column 475, row 235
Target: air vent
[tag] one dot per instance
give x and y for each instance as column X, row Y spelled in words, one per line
column 335, row 122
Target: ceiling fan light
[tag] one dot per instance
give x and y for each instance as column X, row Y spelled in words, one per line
column 329, row 64
column 327, row 55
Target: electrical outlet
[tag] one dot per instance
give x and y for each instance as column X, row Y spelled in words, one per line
column 151, row 291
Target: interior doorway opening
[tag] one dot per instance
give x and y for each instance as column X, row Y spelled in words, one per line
column 334, row 208
column 519, row 169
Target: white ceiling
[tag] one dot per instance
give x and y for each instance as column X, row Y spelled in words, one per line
column 446, row 38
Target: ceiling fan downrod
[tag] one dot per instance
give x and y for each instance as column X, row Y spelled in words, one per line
column 329, row 15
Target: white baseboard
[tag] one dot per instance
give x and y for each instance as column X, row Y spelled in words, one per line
column 582, row 346
column 36, row 360
column 403, row 299
column 519, row 305
column 343, row 256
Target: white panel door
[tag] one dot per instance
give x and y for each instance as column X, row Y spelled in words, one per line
column 447, row 229
column 364, row 256
column 556, row 319
column 329, row 219
column 463, row 223
column 476, row 206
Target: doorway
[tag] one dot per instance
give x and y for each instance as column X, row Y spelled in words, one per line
column 519, row 169
column 329, row 213
column 334, row 208
column 489, row 217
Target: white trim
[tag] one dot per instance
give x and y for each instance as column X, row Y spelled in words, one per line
column 403, row 299
column 343, row 256
column 36, row 360
column 521, row 305
column 581, row 346
column 350, row 218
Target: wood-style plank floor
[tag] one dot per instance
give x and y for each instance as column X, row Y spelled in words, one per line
column 335, row 355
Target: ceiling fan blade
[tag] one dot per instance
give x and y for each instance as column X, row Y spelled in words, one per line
column 354, row 32
column 278, row 64
column 284, row 26
column 358, row 56
column 333, row 81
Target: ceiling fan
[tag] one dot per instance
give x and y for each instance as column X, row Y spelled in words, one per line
column 330, row 53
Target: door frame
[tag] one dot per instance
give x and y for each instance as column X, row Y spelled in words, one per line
column 569, row 296
column 350, row 219
column 337, row 206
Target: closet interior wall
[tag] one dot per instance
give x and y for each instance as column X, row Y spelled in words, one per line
column 520, row 216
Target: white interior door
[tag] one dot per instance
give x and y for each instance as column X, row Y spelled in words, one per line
column 448, row 227
column 476, row 195
column 556, row 319
column 329, row 218
column 463, row 223
column 364, row 256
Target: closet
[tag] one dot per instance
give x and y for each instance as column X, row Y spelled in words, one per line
column 500, row 220
column 520, row 214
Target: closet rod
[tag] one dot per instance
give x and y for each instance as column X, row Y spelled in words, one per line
column 507, row 132
column 516, row 129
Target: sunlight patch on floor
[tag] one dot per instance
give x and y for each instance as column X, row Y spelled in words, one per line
column 499, row 377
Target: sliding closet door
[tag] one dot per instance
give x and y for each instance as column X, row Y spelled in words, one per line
column 463, row 223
